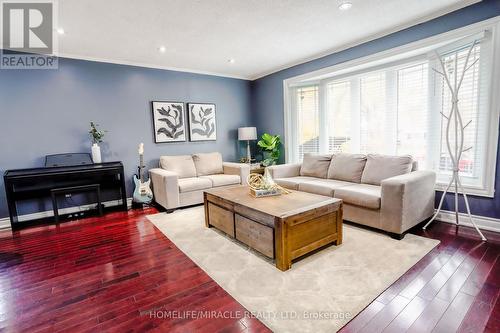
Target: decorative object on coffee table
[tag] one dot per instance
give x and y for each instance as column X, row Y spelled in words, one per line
column 202, row 122
column 455, row 137
column 270, row 145
column 264, row 185
column 168, row 122
column 97, row 136
column 247, row 134
column 283, row 228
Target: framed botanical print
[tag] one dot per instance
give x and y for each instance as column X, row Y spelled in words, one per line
column 169, row 123
column 202, row 122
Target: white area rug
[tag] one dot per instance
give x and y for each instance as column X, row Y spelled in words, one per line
column 320, row 293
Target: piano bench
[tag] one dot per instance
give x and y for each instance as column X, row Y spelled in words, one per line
column 78, row 189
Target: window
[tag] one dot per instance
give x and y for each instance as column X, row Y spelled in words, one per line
column 380, row 112
column 394, row 106
column 308, row 118
column 339, row 122
column 412, row 129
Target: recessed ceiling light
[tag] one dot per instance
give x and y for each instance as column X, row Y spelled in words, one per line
column 60, row 31
column 162, row 49
column 231, row 61
column 345, row 5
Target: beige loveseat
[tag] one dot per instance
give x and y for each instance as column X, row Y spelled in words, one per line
column 181, row 180
column 383, row 192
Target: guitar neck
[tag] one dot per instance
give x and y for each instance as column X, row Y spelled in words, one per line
column 141, row 167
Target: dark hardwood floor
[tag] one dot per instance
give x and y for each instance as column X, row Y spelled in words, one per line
column 454, row 288
column 119, row 273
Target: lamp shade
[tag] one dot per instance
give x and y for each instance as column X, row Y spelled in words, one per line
column 247, row 133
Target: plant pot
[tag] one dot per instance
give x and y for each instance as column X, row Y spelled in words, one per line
column 96, row 153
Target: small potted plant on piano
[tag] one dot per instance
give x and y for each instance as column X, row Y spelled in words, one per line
column 96, row 136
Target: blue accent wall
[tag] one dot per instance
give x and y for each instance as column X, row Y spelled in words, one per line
column 267, row 92
column 48, row 111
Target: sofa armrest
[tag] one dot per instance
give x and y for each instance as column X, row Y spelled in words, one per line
column 407, row 200
column 284, row 170
column 240, row 169
column 165, row 187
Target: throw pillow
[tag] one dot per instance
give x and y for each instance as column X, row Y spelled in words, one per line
column 182, row 165
column 347, row 167
column 208, row 163
column 380, row 167
column 315, row 165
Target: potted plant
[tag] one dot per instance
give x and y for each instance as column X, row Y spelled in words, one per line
column 270, row 145
column 96, row 136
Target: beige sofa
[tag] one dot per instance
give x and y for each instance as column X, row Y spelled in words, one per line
column 180, row 180
column 383, row 192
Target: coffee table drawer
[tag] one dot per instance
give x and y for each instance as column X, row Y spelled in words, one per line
column 255, row 235
column 221, row 218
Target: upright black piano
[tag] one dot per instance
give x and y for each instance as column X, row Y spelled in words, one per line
column 39, row 183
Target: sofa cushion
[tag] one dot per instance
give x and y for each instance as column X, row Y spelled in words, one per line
column 347, row 167
column 193, row 184
column 182, row 165
column 292, row 183
column 323, row 187
column 380, row 167
column 363, row 195
column 208, row 163
column 223, row 180
column 315, row 165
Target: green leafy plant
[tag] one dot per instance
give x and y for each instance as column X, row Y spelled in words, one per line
column 270, row 145
column 96, row 134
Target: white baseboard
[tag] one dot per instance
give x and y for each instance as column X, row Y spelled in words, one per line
column 5, row 222
column 483, row 222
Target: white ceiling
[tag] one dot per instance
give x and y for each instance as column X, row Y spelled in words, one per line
column 263, row 36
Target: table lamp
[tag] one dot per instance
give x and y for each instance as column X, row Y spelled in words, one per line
column 247, row 133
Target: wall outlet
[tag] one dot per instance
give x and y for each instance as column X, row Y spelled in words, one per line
column 67, row 195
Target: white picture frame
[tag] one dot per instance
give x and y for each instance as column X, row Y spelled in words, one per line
column 202, row 121
column 169, row 121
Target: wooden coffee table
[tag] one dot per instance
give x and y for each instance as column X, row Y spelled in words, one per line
column 283, row 227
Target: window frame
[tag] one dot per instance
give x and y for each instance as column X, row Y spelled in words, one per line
column 404, row 54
